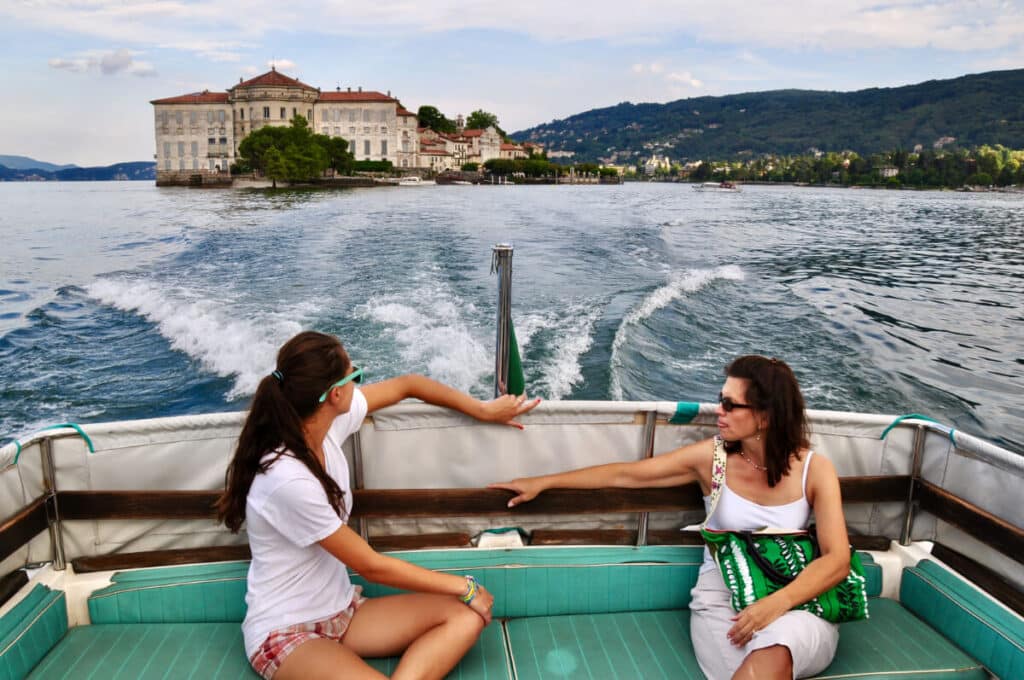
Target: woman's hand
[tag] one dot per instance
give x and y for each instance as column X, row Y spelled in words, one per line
column 506, row 408
column 757, row 616
column 526, row 489
column 482, row 603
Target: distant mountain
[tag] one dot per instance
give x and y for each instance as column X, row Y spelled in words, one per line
column 25, row 163
column 142, row 170
column 986, row 108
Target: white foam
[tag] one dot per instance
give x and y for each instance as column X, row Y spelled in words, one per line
column 243, row 346
column 680, row 285
column 436, row 333
column 574, row 329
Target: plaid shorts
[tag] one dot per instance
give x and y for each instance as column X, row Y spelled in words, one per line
column 283, row 641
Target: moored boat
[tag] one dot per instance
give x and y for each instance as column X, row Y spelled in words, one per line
column 717, row 186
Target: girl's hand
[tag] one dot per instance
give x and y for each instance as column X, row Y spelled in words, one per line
column 482, row 604
column 506, row 408
column 526, row 489
column 755, row 617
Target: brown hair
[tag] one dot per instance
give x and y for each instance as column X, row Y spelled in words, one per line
column 773, row 390
column 306, row 365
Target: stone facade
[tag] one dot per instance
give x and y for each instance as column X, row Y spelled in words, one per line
column 199, row 133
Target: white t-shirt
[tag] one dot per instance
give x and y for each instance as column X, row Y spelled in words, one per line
column 291, row 578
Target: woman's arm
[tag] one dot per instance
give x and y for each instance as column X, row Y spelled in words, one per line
column 822, row 573
column 504, row 409
column 354, row 552
column 668, row 469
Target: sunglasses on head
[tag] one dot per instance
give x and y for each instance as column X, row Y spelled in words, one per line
column 355, row 376
column 728, row 404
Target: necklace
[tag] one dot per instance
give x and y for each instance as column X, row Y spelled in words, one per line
column 762, row 468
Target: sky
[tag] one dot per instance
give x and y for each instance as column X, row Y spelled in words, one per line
column 78, row 75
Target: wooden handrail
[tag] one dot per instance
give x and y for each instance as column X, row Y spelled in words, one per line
column 982, row 525
column 22, row 527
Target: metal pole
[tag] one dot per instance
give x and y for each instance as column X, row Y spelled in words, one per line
column 648, row 451
column 501, row 262
column 52, row 511
column 915, row 475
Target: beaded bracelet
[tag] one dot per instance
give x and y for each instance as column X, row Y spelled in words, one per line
column 471, row 590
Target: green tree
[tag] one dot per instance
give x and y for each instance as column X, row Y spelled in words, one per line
column 481, row 120
column 275, row 166
column 289, row 153
column 470, row 167
column 339, row 158
column 430, row 117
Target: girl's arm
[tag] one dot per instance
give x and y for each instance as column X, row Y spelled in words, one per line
column 354, row 552
column 822, row 573
column 504, row 409
column 667, row 469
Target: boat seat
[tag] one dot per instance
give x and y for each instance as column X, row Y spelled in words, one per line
column 586, row 613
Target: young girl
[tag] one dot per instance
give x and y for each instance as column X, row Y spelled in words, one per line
column 771, row 478
column 288, row 482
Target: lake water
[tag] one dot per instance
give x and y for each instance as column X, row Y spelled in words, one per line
column 120, row 300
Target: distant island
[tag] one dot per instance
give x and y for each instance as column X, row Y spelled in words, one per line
column 25, row 169
column 969, row 111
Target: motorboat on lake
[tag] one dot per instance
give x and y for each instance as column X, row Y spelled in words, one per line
column 717, row 186
column 415, row 181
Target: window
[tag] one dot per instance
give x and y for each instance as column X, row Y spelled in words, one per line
column 325, row 130
column 209, row 117
column 167, row 150
column 163, row 117
column 405, row 145
column 221, row 116
column 283, row 113
column 352, row 147
column 193, row 117
column 167, row 164
column 383, row 130
column 241, row 114
column 383, row 116
column 366, row 130
column 212, row 165
column 384, row 147
column 337, row 132
column 195, row 149
column 351, row 130
column 223, row 140
column 181, row 150
column 309, row 115
column 366, row 147
column 366, row 115
column 181, row 164
column 195, row 163
column 337, row 115
column 266, row 112
column 177, row 117
column 353, row 115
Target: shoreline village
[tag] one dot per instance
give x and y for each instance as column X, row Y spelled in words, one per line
column 199, row 135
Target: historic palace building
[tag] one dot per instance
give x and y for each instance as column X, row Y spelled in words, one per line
column 199, row 133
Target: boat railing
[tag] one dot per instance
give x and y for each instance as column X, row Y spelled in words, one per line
column 140, row 493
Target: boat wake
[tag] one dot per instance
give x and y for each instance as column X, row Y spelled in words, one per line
column 564, row 337
column 680, row 285
column 207, row 330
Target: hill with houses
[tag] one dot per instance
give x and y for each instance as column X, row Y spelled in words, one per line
column 986, row 108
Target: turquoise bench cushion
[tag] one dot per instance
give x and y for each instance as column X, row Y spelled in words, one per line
column 207, row 598
column 953, row 607
column 138, row 651
column 653, row 644
column 30, row 629
column 207, row 651
column 893, row 644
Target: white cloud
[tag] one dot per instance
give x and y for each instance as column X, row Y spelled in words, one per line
column 685, row 78
column 785, row 24
column 282, row 64
column 108, row 63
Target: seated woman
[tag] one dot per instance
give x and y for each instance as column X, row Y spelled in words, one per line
column 288, row 482
column 773, row 480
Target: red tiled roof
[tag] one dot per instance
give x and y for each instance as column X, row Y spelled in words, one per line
column 273, row 78
column 204, row 97
column 367, row 96
column 432, row 152
column 472, row 133
column 405, row 112
column 510, row 147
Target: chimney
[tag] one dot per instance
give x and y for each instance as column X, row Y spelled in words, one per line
column 389, row 93
column 350, row 89
column 339, row 88
column 360, row 88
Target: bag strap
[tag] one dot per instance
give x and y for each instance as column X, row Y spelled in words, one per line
column 717, row 478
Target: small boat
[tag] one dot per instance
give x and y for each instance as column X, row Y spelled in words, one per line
column 415, row 181
column 717, row 186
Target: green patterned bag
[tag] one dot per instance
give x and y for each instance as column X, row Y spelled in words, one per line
column 755, row 565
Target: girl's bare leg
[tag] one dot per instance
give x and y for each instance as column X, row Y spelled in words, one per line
column 770, row 663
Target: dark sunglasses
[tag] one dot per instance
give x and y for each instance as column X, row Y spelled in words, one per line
column 728, row 404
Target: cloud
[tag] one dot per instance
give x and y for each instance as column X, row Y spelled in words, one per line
column 108, row 63
column 685, row 78
column 282, row 64
column 73, row 65
column 783, row 24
